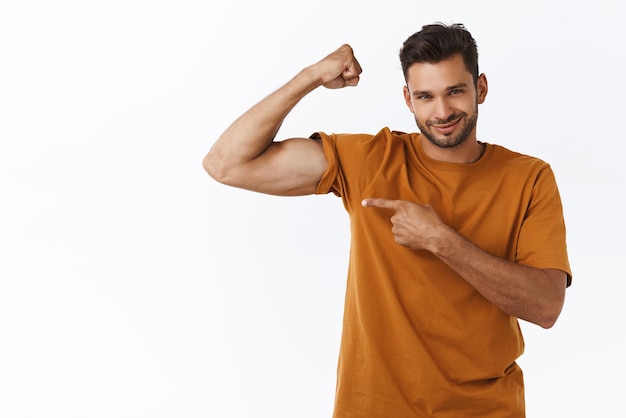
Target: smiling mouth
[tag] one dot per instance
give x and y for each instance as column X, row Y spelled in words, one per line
column 446, row 127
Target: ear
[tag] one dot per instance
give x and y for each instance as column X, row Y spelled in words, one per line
column 482, row 88
column 407, row 98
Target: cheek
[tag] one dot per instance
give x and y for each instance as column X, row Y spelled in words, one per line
column 420, row 113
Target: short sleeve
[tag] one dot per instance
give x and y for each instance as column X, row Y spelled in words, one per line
column 330, row 181
column 542, row 238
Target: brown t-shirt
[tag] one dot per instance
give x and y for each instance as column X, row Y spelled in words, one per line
column 418, row 340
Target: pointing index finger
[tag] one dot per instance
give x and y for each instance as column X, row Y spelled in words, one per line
column 379, row 202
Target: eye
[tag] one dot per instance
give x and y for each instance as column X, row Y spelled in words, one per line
column 423, row 97
column 455, row 92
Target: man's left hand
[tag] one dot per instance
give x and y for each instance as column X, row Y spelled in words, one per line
column 414, row 226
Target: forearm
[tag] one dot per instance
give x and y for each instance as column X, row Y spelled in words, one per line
column 532, row 294
column 254, row 131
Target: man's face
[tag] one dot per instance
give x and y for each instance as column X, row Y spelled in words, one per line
column 444, row 100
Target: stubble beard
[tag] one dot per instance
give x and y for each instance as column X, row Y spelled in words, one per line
column 449, row 141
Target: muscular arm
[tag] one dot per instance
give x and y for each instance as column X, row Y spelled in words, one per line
column 247, row 156
column 535, row 295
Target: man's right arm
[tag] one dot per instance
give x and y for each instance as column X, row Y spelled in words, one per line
column 246, row 155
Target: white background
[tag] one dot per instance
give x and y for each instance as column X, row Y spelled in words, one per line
column 133, row 285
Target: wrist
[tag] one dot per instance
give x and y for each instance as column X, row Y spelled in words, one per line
column 444, row 242
column 309, row 79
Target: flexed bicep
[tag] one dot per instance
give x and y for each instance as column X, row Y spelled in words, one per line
column 292, row 167
column 247, row 156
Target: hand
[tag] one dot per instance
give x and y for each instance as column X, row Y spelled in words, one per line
column 339, row 69
column 413, row 226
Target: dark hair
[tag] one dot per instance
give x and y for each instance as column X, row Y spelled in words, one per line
column 437, row 42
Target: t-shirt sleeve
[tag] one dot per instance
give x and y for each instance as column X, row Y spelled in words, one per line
column 341, row 156
column 347, row 155
column 542, row 239
column 331, row 179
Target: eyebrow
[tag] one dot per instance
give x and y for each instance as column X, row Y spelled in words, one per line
column 450, row 88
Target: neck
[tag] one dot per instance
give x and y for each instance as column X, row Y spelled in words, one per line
column 467, row 152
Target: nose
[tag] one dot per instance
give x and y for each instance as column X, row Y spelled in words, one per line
column 442, row 109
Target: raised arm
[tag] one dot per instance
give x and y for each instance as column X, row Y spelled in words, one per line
column 246, row 154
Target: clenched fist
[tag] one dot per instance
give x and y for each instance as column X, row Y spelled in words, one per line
column 339, row 69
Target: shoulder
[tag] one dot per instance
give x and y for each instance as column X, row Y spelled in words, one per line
column 521, row 170
column 515, row 160
column 369, row 150
column 384, row 136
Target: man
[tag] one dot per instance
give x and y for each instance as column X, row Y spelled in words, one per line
column 453, row 239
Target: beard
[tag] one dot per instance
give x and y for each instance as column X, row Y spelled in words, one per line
column 449, row 141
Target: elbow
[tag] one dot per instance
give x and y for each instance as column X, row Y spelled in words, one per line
column 543, row 314
column 214, row 167
column 226, row 170
column 552, row 302
column 548, row 321
column 551, row 313
column 545, row 319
